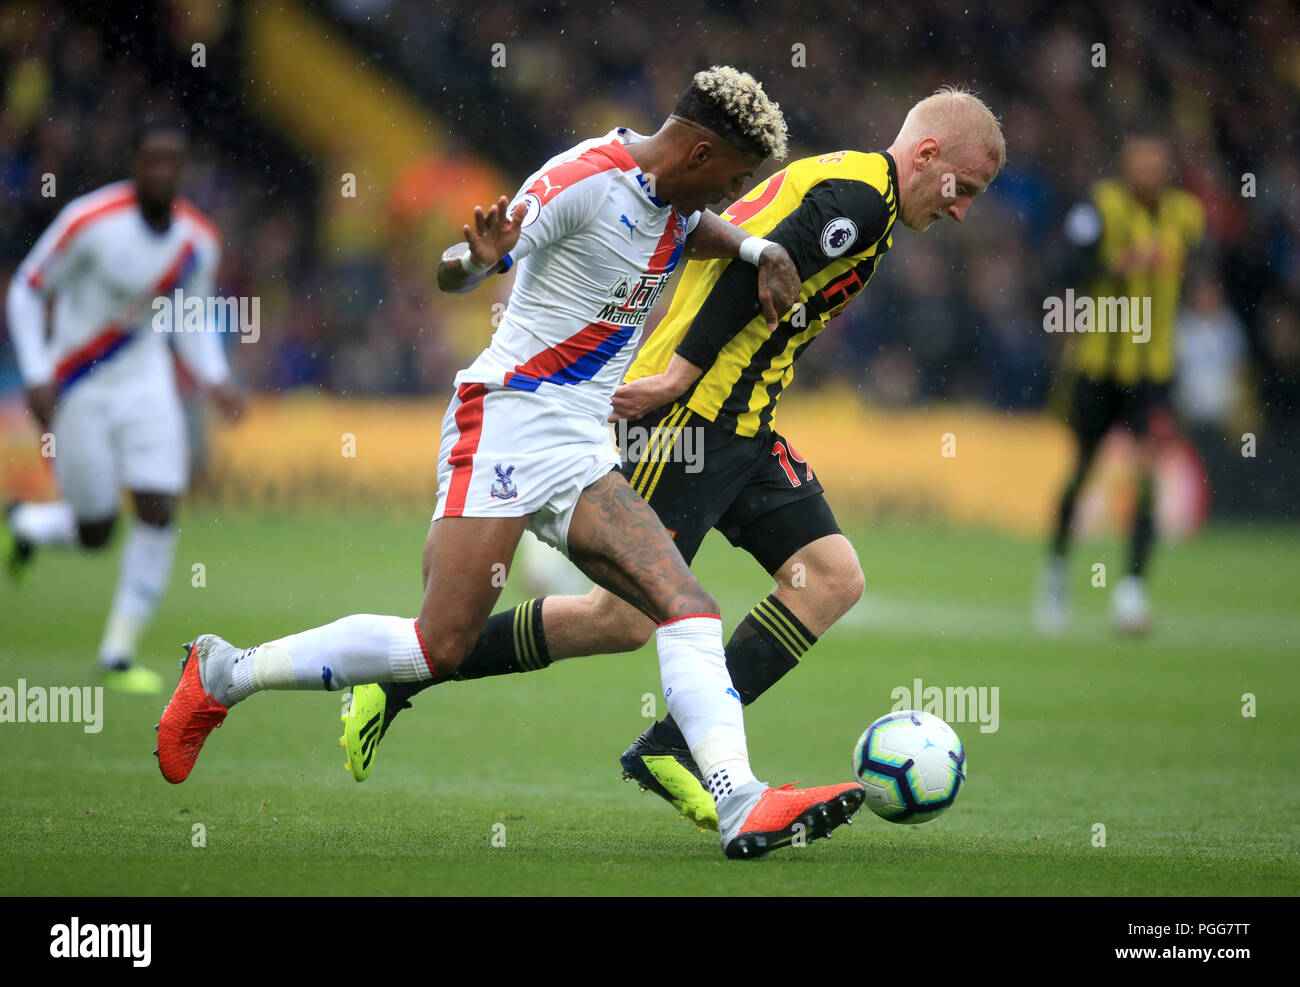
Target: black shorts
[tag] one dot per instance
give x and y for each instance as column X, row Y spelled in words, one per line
column 757, row 491
column 1098, row 405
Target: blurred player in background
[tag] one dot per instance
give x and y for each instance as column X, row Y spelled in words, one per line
column 1133, row 236
column 597, row 232
column 100, row 380
column 715, row 366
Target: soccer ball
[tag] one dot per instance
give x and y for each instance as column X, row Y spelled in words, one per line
column 912, row 765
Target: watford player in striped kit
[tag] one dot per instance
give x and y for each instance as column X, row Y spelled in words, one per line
column 716, row 367
column 1134, row 236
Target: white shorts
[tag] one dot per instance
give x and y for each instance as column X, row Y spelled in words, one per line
column 511, row 453
column 109, row 440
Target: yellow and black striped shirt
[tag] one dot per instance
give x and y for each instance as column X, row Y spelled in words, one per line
column 834, row 215
column 1119, row 223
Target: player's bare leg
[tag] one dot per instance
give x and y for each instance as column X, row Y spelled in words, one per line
column 821, row 582
column 466, row 561
column 619, row 543
column 596, row 623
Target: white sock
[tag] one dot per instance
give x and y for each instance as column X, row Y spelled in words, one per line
column 351, row 651
column 143, row 573
column 50, row 523
column 702, row 700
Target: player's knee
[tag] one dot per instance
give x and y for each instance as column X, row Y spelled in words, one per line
column 835, row 581
column 95, row 534
column 841, row 586
column 851, row 587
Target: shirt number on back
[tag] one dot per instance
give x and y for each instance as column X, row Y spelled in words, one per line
column 746, row 209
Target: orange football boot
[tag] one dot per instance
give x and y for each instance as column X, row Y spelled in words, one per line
column 770, row 818
column 187, row 720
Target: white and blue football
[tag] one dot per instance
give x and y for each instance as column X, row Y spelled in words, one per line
column 912, row 765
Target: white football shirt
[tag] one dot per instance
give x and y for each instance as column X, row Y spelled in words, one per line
column 596, row 248
column 101, row 265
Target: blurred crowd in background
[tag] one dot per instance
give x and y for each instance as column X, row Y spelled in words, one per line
column 954, row 314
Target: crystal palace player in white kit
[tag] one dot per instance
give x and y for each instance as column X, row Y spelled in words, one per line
column 100, row 380
column 596, row 233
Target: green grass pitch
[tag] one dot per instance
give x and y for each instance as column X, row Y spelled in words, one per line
column 1146, row 738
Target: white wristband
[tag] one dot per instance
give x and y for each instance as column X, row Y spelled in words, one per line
column 469, row 265
column 752, row 248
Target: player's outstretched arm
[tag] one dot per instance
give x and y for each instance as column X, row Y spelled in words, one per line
column 778, row 278
column 492, row 236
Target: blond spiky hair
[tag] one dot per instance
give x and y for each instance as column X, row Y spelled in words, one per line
column 733, row 105
column 957, row 118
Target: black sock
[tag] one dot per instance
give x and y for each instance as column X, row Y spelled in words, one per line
column 767, row 644
column 1087, row 449
column 511, row 641
column 1144, row 532
column 1064, row 514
